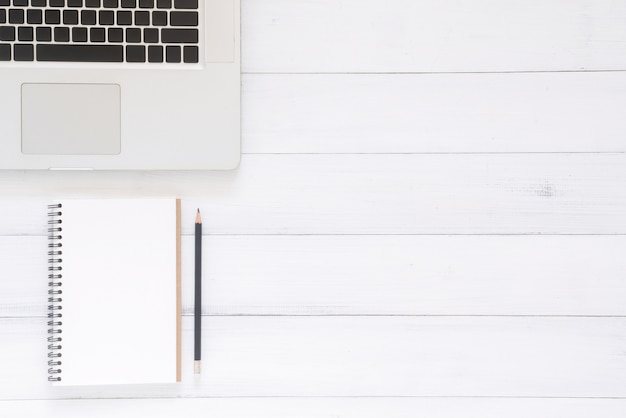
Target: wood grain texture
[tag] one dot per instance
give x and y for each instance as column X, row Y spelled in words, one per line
column 374, row 275
column 370, row 194
column 417, row 113
column 362, row 356
column 316, row 408
column 433, row 36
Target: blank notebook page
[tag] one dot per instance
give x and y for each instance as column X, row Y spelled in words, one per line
column 119, row 267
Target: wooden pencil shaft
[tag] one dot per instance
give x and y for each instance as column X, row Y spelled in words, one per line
column 198, row 292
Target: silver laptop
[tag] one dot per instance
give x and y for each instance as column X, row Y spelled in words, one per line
column 120, row 84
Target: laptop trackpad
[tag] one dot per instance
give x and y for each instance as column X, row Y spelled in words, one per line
column 71, row 119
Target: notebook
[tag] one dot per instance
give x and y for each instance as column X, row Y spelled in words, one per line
column 114, row 292
column 120, row 84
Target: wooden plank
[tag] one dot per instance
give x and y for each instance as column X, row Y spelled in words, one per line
column 373, row 275
column 361, row 356
column 23, row 289
column 317, row 408
column 433, row 36
column 366, row 194
column 390, row 113
column 410, row 275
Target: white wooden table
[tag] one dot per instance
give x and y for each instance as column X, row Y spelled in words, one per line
column 429, row 220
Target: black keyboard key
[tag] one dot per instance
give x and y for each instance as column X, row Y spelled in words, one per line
column 53, row 17
column 79, row 34
column 23, row 52
column 172, row 54
column 34, row 17
column 151, row 36
column 25, row 34
column 97, row 34
column 135, row 53
column 6, row 3
column 5, row 52
column 88, row 17
column 185, row 4
column 116, row 35
column 107, row 17
column 61, row 34
column 43, row 34
column 16, row 16
column 142, row 18
column 179, row 36
column 133, row 35
column 124, row 18
column 190, row 54
column 7, row 33
column 80, row 53
column 159, row 18
column 184, row 19
column 70, row 17
column 178, row 30
column 155, row 53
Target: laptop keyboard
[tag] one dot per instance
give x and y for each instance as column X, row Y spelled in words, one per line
column 136, row 31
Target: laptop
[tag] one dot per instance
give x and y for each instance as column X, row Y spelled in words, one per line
column 120, row 84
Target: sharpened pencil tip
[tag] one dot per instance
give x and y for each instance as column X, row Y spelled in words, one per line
column 198, row 218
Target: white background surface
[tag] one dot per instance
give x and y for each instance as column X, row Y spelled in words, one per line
column 428, row 221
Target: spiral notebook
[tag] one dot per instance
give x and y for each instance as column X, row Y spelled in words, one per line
column 114, row 291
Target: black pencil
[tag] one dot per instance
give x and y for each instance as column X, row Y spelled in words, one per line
column 198, row 296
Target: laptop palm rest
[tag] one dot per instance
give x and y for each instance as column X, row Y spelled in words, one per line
column 71, row 119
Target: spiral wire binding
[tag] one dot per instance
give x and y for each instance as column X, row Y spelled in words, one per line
column 55, row 278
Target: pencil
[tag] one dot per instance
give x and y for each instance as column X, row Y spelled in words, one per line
column 198, row 296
